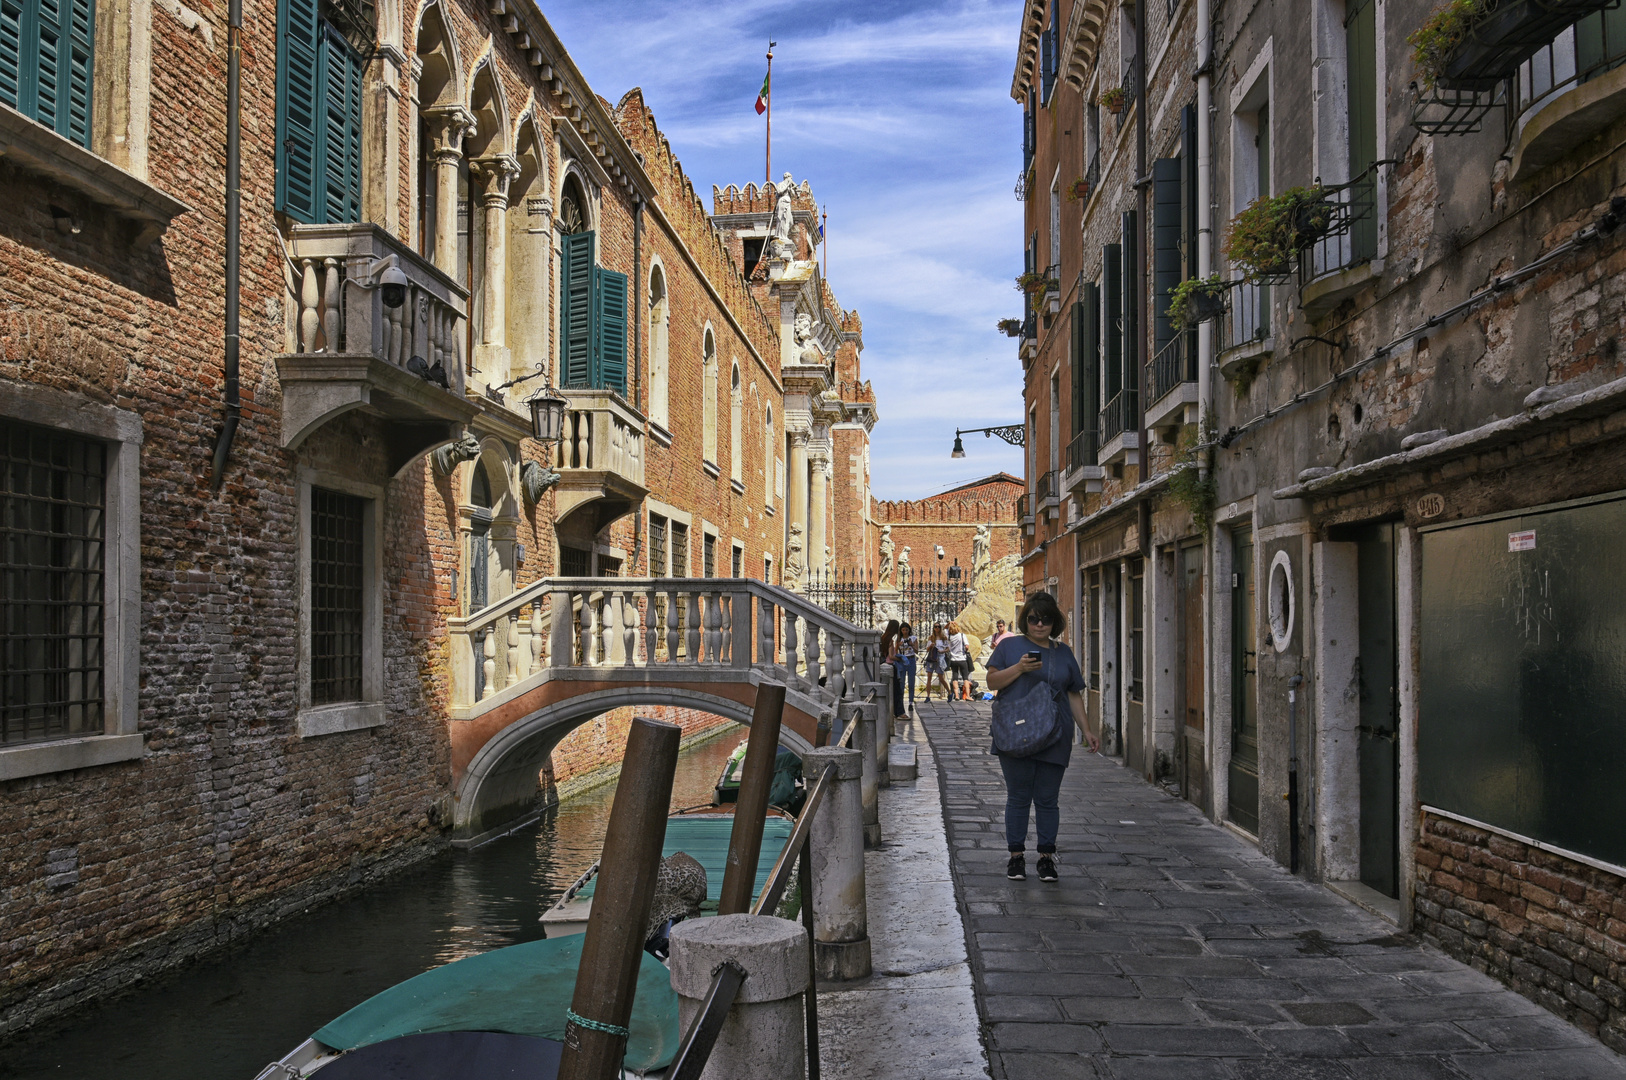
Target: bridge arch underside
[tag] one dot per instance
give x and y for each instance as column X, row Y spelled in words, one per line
column 495, row 770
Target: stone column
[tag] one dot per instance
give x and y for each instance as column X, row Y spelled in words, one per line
column 836, row 841
column 796, row 496
column 763, row 1036
column 449, row 125
column 869, row 796
column 819, row 511
column 491, row 353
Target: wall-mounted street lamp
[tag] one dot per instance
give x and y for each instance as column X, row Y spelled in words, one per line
column 1015, row 434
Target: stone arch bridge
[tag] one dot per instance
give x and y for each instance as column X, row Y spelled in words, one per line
column 531, row 668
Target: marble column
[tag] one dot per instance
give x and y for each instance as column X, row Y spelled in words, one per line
column 449, row 125
column 819, row 512
column 796, row 498
column 491, row 354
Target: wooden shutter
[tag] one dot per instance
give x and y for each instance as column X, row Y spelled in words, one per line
column 1130, row 378
column 12, row 18
column 1361, row 43
column 46, row 61
column 339, row 172
column 1166, row 268
column 610, row 330
column 576, row 314
column 1087, row 375
column 298, row 74
column 1112, row 278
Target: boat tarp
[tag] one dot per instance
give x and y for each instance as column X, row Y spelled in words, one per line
column 704, row 838
column 522, row 990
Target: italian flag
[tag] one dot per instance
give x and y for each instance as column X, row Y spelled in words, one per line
column 762, row 96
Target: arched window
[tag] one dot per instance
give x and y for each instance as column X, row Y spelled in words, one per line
column 767, row 455
column 659, row 374
column 736, row 406
column 592, row 303
column 479, row 557
column 708, row 363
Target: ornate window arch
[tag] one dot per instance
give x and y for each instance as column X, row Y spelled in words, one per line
column 736, row 409
column 660, row 317
column 708, row 368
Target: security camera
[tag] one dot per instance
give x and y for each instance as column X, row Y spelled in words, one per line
column 392, row 285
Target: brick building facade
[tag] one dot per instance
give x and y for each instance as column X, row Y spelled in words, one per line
column 950, row 520
column 1361, row 500
column 228, row 690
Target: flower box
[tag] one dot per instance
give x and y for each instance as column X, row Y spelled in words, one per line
column 1475, row 44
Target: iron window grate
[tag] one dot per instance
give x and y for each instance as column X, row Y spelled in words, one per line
column 337, row 525
column 52, row 522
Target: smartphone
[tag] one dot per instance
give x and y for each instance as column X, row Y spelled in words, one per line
column 1034, row 655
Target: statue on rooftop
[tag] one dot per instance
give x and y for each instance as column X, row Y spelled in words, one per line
column 784, row 220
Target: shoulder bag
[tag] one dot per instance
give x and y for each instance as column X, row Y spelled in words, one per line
column 1026, row 722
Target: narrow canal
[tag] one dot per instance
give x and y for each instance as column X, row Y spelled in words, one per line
column 226, row 1018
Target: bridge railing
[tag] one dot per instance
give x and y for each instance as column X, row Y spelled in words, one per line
column 634, row 624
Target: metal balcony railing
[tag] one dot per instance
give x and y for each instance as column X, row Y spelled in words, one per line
column 1247, row 319
column 1119, row 414
column 1081, row 451
column 1174, row 364
column 1580, row 53
column 1351, row 237
column 1092, row 172
column 1024, row 508
column 1047, row 490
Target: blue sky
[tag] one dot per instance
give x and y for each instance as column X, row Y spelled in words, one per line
column 899, row 114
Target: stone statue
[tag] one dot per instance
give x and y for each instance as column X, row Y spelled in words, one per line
column 809, row 352
column 784, row 220
column 793, row 559
column 903, row 569
column 883, row 578
column 979, row 553
column 445, row 459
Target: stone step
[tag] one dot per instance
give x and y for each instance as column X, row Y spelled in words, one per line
column 900, row 762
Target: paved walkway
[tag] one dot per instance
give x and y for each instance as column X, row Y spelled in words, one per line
column 1171, row 948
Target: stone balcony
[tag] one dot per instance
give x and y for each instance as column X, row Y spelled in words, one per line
column 393, row 352
column 599, row 457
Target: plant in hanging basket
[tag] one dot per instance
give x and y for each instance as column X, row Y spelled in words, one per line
column 1263, row 239
column 1435, row 42
column 1010, row 327
column 1197, row 300
column 1112, row 100
column 1035, row 281
column 1078, row 190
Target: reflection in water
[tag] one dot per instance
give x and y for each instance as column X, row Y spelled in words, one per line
column 226, row 1018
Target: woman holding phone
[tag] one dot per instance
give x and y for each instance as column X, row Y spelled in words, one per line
column 1034, row 781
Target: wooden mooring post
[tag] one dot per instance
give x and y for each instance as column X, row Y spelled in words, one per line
column 596, row 1027
column 745, row 841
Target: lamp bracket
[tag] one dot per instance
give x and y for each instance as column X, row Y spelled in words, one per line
column 1015, row 434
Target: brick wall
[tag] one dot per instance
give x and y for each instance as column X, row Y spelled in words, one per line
column 1549, row 927
column 579, row 759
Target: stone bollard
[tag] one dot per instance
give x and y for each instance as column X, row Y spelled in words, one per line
column 763, row 1037
column 869, row 798
column 840, row 916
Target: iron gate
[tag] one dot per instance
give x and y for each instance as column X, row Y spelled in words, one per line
column 847, row 593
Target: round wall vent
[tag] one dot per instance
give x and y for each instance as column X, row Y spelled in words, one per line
column 1282, row 603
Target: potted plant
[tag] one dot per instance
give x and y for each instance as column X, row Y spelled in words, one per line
column 1474, row 44
column 1078, row 190
column 1010, row 327
column 1112, row 100
column 1263, row 239
column 1035, row 281
column 1197, row 300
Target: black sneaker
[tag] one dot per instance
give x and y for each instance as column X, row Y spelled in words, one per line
column 1017, row 868
column 1047, row 867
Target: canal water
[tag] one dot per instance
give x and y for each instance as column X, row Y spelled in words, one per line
column 226, row 1018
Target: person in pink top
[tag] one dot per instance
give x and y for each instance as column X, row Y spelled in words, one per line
column 1000, row 633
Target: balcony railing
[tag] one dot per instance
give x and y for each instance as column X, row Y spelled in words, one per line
column 1092, row 172
column 1590, row 48
column 1024, row 508
column 1351, row 237
column 1247, row 320
column 1174, row 364
column 1047, row 490
column 1119, row 414
column 601, row 433
column 1507, row 36
column 1081, row 451
column 335, row 272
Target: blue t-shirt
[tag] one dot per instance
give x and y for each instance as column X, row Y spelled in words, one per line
column 1060, row 670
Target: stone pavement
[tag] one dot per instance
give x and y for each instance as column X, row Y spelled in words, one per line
column 1172, row 948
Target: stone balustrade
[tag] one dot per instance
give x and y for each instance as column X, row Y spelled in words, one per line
column 631, row 625
column 336, row 280
column 601, row 434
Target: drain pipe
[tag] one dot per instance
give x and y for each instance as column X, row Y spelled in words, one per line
column 638, row 310
column 1205, row 229
column 234, row 405
column 1292, row 795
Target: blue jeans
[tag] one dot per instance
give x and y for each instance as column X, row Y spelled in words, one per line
column 1036, row 784
column 906, row 669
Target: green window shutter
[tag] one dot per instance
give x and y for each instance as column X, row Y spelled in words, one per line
column 46, row 60
column 1112, row 276
column 1166, row 268
column 298, row 122
column 1089, row 385
column 610, row 330
column 576, row 314
column 1361, row 43
column 339, row 158
column 1130, row 378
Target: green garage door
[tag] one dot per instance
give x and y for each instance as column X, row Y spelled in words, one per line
column 1522, row 719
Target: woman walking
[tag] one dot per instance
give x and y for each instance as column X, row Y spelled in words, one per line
column 1019, row 663
column 959, row 656
column 937, row 660
column 907, row 644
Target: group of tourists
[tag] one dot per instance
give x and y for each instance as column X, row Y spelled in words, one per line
column 1039, row 703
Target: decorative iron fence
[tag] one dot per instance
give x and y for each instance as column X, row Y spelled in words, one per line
column 847, row 593
column 933, row 595
column 1175, row 364
column 1118, row 415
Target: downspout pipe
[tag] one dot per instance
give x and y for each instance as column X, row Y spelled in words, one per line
column 1205, row 222
column 637, row 305
column 234, row 215
column 1143, row 323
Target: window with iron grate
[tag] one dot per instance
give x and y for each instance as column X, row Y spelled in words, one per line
column 337, row 529
column 709, row 558
column 657, row 546
column 52, row 514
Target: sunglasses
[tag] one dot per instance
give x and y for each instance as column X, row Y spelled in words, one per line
column 1040, row 620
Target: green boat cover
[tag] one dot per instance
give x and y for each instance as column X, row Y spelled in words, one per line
column 704, row 838
column 522, row 990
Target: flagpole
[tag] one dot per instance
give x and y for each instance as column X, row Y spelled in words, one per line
column 768, row 163
column 824, row 234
